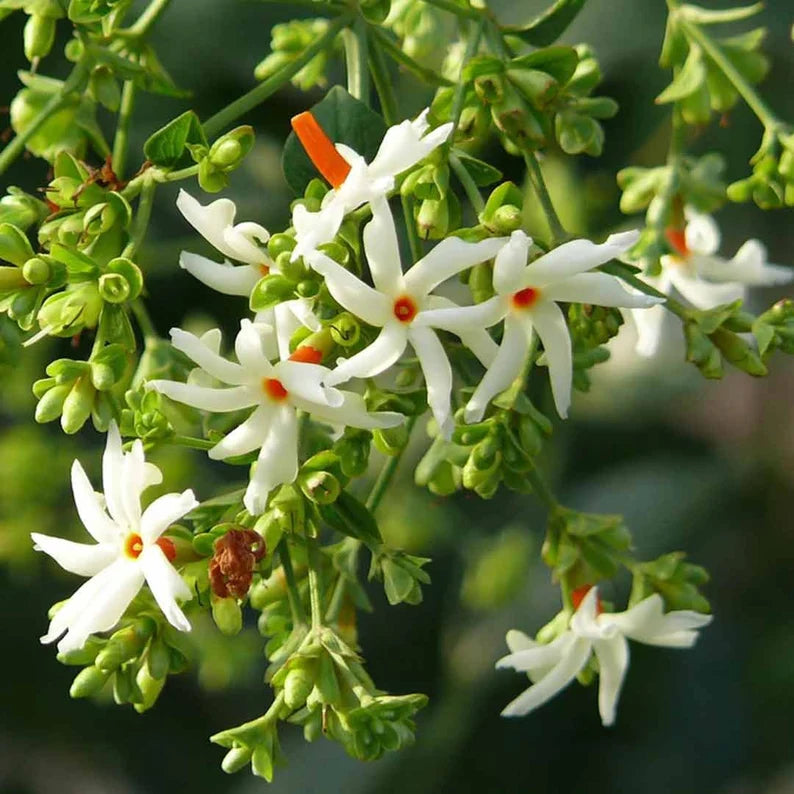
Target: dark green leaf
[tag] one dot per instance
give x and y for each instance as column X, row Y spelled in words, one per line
column 481, row 172
column 167, row 146
column 547, row 27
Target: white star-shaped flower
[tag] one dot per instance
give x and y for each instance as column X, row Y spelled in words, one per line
column 526, row 299
column 353, row 179
column 129, row 549
column 551, row 667
column 243, row 242
column 276, row 392
column 398, row 303
column 702, row 277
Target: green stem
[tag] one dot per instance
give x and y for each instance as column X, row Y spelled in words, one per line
column 427, row 75
column 623, row 273
column 145, row 21
column 190, row 441
column 142, row 217
column 472, row 45
column 356, row 47
column 467, row 12
column 74, row 84
column 315, row 598
column 217, row 123
column 144, row 320
column 558, row 232
column 120, row 141
column 469, row 185
column 764, row 113
column 293, row 594
column 387, row 473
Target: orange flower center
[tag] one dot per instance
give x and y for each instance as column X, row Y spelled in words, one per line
column 264, row 270
column 677, row 240
column 525, row 298
column 320, row 149
column 577, row 596
column 306, row 354
column 274, row 389
column 133, row 546
column 405, row 309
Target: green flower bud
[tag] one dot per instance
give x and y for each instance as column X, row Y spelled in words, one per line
column 353, row 451
column 69, row 312
column 131, row 273
column 445, row 480
column 82, row 656
column 345, row 330
column 227, row 615
column 320, row 487
column 392, row 440
column 269, row 291
column 88, row 681
column 12, row 279
column 114, row 288
column 236, row 759
column 506, row 219
column 125, row 644
column 50, row 405
column 299, row 682
column 21, row 210
column 36, row 271
column 211, row 178
column 78, row 405
column 158, row 659
column 279, row 244
column 38, row 36
column 74, row 50
column 229, row 150
column 149, row 688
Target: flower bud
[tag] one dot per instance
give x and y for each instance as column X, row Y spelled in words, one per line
column 12, row 278
column 320, row 487
column 38, row 36
column 77, row 405
column 236, row 759
column 269, row 291
column 299, row 682
column 149, row 688
column 36, row 271
column 227, row 615
column 280, row 243
column 51, row 404
column 74, row 50
column 14, row 245
column 391, row 440
column 88, row 682
column 114, row 288
column 345, row 330
column 229, row 150
column 21, row 210
column 211, row 178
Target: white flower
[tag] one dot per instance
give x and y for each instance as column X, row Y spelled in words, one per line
column 128, row 551
column 354, row 181
column 276, row 392
column 397, row 305
column 243, row 242
column 702, row 277
column 526, row 298
column 551, row 667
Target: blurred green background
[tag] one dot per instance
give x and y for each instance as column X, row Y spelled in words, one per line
column 705, row 467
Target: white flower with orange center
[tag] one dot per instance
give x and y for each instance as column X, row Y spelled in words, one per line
column 242, row 242
column 702, row 277
column 276, row 392
column 354, row 181
column 526, row 299
column 554, row 665
column 130, row 548
column 398, row 304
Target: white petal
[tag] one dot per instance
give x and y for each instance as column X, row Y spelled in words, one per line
column 164, row 511
column 403, row 146
column 209, row 221
column 477, row 339
column 599, row 289
column 350, row 292
column 553, row 682
column 285, row 323
column 375, row 358
column 166, row 585
column 222, row 277
column 649, row 324
column 313, row 229
column 552, row 329
column 506, row 366
column 249, row 347
column 574, row 257
column 278, row 460
column 748, row 266
column 705, row 294
column 84, row 559
column 464, row 318
column 519, row 641
column 438, row 376
column 613, row 662
column 448, row 258
column 245, row 438
column 113, row 474
column 304, row 382
column 247, row 240
column 134, row 476
column 531, row 657
column 702, row 234
column 206, row 399
column 647, row 622
column 91, row 513
column 511, row 263
column 206, row 358
column 382, row 249
column 353, row 413
column 96, row 606
column 302, row 310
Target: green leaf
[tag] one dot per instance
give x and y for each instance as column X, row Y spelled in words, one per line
column 168, row 145
column 713, row 16
column 560, row 62
column 345, row 120
column 481, row 172
column 687, row 81
column 547, row 27
column 350, row 517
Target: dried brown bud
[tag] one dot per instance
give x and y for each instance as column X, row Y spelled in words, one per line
column 232, row 564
